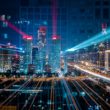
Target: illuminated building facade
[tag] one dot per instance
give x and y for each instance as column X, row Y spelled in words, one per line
column 15, row 62
column 55, row 53
column 27, row 57
column 34, row 13
column 5, row 59
column 9, row 57
column 41, row 48
column 35, row 57
column 107, row 60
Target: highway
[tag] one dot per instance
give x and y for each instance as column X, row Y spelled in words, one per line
column 53, row 93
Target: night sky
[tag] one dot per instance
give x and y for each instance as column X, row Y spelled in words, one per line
column 11, row 8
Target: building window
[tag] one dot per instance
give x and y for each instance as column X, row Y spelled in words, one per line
column 97, row 13
column 106, row 13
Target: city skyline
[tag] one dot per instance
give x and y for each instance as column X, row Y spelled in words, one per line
column 80, row 30
column 54, row 55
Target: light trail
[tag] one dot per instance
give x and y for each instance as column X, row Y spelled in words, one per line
column 13, row 46
column 36, row 94
column 93, row 80
column 4, row 81
column 22, row 91
column 16, row 29
column 94, row 40
column 52, row 95
column 92, row 73
column 66, row 96
column 4, row 89
column 101, row 102
column 70, row 97
column 59, row 92
column 54, row 16
column 91, row 97
column 76, row 100
column 30, row 97
column 14, row 94
column 94, row 92
column 13, row 27
column 11, row 50
column 81, row 96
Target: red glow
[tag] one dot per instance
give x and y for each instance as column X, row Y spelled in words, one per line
column 16, row 56
column 13, row 27
column 54, row 17
column 104, row 25
column 42, row 29
column 55, row 37
column 27, row 37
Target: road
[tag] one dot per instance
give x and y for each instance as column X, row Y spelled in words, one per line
column 52, row 93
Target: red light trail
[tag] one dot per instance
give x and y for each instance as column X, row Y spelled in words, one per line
column 14, row 27
column 54, row 17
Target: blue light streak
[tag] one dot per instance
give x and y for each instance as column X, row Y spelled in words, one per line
column 94, row 40
column 12, row 50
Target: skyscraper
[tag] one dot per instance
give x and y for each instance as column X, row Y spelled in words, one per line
column 27, row 57
column 41, row 48
column 55, row 53
column 35, row 57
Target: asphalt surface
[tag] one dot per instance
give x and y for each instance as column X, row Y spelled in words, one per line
column 79, row 93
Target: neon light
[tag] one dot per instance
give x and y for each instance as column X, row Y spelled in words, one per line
column 94, row 40
column 11, row 50
column 55, row 37
column 13, row 27
column 10, row 46
column 92, row 73
column 42, row 29
column 21, row 49
column 54, row 17
column 27, row 37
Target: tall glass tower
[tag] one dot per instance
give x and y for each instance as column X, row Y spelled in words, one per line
column 55, row 53
column 27, row 57
column 41, row 48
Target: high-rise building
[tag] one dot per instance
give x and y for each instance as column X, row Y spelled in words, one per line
column 41, row 48
column 15, row 62
column 107, row 60
column 34, row 13
column 35, row 57
column 5, row 58
column 9, row 57
column 76, row 20
column 27, row 57
column 55, row 53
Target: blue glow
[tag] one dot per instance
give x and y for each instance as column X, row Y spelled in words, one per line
column 21, row 49
column 23, row 52
column 94, row 40
column 12, row 50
